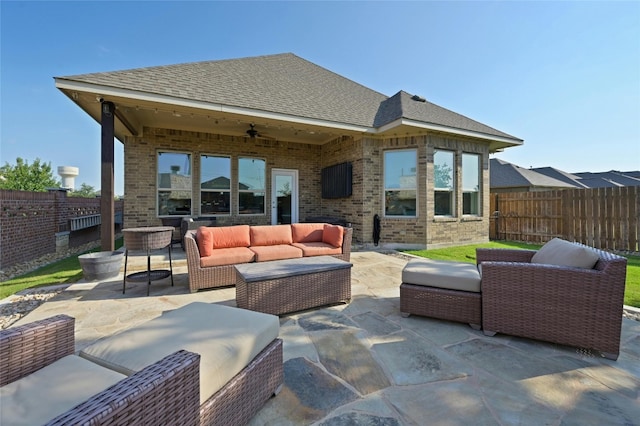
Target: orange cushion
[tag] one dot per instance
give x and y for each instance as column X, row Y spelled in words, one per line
column 317, row 249
column 230, row 236
column 270, row 235
column 204, row 239
column 275, row 252
column 227, row 256
column 307, row 232
column 333, row 234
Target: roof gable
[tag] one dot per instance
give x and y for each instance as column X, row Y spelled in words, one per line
column 283, row 83
column 418, row 109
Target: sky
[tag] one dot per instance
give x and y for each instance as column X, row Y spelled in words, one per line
column 562, row 76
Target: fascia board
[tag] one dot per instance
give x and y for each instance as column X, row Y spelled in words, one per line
column 439, row 128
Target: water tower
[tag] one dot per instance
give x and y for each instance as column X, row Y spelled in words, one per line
column 68, row 175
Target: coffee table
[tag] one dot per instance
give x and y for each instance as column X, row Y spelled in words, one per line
column 284, row 286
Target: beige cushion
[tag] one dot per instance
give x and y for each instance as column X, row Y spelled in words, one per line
column 442, row 274
column 53, row 390
column 564, row 253
column 226, row 338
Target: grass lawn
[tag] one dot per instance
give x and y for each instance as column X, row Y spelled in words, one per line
column 468, row 254
column 64, row 271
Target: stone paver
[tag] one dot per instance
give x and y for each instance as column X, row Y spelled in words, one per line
column 364, row 364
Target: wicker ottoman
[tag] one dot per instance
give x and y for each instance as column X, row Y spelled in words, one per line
column 240, row 356
column 441, row 289
column 283, row 286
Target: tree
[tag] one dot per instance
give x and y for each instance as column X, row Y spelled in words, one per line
column 86, row 191
column 23, row 176
column 443, row 174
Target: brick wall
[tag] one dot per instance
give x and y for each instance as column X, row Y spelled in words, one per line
column 366, row 155
column 29, row 222
column 140, row 182
column 425, row 230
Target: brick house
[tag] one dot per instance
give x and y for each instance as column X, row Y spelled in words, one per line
column 278, row 139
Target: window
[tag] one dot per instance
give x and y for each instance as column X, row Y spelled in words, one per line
column 470, row 184
column 444, row 182
column 174, row 184
column 251, row 186
column 400, row 188
column 215, row 185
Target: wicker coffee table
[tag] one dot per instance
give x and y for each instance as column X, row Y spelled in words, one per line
column 284, row 286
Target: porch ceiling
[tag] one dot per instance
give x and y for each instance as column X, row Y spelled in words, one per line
column 132, row 115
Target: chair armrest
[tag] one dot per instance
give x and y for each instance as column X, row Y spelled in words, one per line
column 30, row 347
column 346, row 243
column 191, row 248
column 164, row 393
column 503, row 255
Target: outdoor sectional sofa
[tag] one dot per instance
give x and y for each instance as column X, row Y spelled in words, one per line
column 200, row 364
column 565, row 293
column 213, row 252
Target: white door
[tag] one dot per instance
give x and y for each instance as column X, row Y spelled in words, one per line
column 284, row 196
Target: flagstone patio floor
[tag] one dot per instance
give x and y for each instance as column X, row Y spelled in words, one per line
column 364, row 364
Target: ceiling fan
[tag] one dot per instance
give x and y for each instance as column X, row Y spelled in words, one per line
column 252, row 132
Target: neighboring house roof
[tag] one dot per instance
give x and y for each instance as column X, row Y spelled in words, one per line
column 284, row 86
column 608, row 179
column 560, row 175
column 506, row 175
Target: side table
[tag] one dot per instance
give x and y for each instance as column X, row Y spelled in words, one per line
column 147, row 239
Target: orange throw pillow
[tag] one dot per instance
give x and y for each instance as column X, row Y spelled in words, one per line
column 307, row 232
column 204, row 239
column 333, row 235
column 270, row 235
column 230, row 236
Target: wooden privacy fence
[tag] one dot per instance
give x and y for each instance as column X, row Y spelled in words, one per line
column 606, row 218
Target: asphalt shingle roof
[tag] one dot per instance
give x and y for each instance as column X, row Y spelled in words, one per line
column 506, row 175
column 283, row 84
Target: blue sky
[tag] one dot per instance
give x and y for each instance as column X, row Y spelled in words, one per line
column 563, row 76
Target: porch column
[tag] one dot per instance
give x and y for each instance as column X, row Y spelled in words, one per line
column 107, row 193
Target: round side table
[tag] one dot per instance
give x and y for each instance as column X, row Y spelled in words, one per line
column 147, row 239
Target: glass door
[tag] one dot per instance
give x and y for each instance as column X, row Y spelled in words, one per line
column 284, row 196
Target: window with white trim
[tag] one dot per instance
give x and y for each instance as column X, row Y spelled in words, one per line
column 400, row 184
column 251, row 186
column 444, row 182
column 470, row 184
column 174, row 184
column 215, row 185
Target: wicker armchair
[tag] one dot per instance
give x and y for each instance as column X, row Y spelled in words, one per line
column 564, row 305
column 165, row 392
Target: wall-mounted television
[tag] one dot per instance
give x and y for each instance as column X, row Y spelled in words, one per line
column 337, row 181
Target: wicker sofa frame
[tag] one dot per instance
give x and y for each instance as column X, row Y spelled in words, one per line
column 563, row 305
column 223, row 276
column 166, row 392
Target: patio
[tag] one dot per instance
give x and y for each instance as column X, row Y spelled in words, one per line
column 363, row 363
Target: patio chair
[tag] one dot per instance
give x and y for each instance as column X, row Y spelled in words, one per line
column 35, row 389
column 528, row 294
